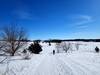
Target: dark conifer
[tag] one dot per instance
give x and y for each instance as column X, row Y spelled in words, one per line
column 97, row 49
column 35, row 48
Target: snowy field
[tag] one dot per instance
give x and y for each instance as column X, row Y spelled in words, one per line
column 81, row 61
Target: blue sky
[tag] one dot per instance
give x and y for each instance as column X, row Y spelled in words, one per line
column 58, row 19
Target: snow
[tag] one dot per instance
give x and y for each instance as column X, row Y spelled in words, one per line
column 84, row 61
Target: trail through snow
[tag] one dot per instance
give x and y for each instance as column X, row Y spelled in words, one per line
column 58, row 64
column 54, row 65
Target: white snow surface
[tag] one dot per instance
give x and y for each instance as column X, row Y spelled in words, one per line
column 84, row 61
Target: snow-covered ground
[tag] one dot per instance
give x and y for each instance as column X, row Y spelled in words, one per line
column 84, row 61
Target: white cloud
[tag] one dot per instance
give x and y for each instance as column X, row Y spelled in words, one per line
column 81, row 21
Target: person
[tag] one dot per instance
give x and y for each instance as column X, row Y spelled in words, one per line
column 53, row 52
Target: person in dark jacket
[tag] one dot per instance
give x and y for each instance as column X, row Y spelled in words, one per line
column 53, row 52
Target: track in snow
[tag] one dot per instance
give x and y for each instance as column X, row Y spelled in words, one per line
column 52, row 66
column 48, row 64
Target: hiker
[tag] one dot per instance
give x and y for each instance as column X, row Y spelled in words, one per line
column 53, row 52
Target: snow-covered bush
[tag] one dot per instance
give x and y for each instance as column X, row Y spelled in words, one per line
column 26, row 54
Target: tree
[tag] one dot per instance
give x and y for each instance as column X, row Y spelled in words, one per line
column 12, row 37
column 77, row 46
column 66, row 46
column 58, row 47
column 35, row 48
column 97, row 49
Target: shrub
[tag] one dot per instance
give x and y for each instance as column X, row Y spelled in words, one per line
column 35, row 48
column 26, row 55
column 97, row 49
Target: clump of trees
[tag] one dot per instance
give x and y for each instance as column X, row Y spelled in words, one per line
column 12, row 37
column 35, row 48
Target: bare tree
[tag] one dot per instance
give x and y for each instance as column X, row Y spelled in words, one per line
column 66, row 46
column 58, row 47
column 77, row 46
column 12, row 37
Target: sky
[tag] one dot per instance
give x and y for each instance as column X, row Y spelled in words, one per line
column 53, row 19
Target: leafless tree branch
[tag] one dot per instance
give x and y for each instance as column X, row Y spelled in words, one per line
column 12, row 37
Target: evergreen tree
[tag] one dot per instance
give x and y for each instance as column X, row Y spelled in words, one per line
column 35, row 48
column 97, row 49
